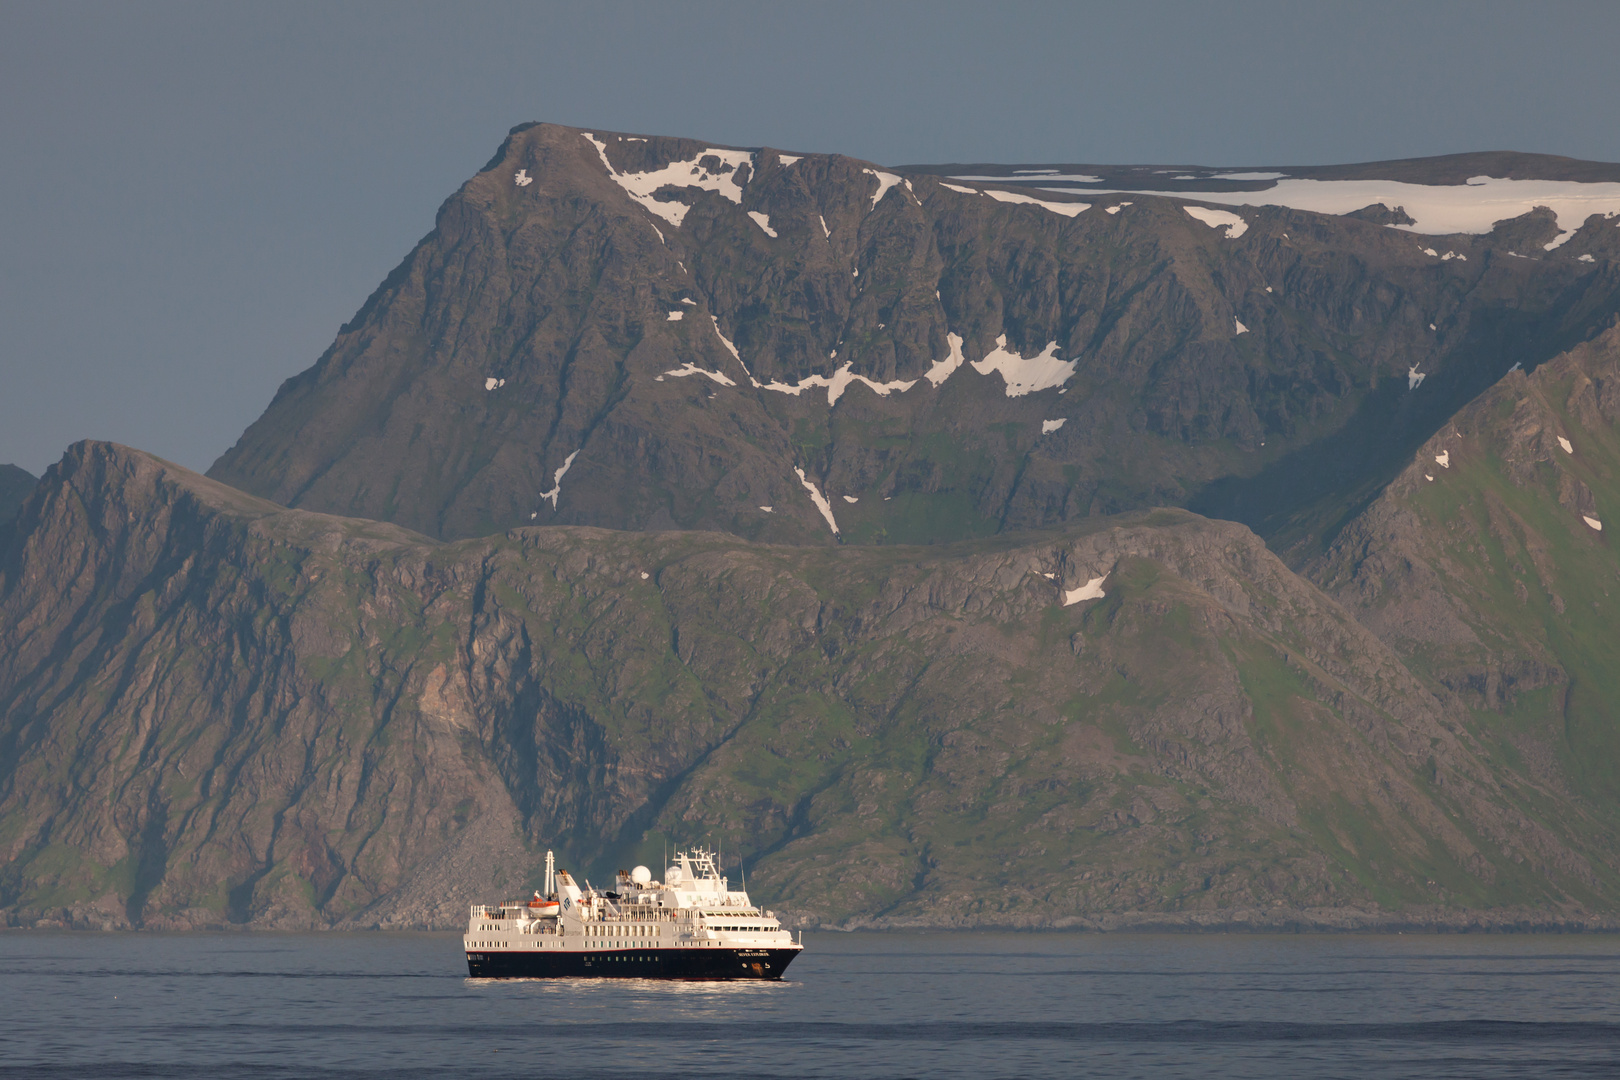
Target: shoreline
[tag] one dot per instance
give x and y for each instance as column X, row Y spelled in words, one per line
column 1328, row 921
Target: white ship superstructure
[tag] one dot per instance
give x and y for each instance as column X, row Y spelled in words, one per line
column 691, row 925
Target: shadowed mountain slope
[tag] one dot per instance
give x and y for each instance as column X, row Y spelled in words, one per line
column 15, row 484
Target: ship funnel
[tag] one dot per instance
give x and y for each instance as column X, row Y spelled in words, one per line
column 566, row 886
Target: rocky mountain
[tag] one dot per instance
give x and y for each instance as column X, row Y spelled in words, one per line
column 651, row 333
column 1217, row 547
column 218, row 710
column 1488, row 566
column 15, row 484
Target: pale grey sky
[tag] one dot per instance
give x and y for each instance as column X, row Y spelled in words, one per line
column 198, row 194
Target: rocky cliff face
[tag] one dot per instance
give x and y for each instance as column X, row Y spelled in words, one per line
column 645, row 333
column 217, row 710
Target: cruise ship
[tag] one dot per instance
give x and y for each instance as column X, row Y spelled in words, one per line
column 690, row 925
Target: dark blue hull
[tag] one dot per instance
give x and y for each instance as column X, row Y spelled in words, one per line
column 696, row 963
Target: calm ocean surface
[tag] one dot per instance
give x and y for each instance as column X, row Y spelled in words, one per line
column 855, row 1005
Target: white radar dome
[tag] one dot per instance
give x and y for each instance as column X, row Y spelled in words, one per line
column 673, row 875
column 641, row 875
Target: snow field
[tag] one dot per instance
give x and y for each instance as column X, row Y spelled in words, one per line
column 819, row 499
column 1025, row 375
column 1436, row 210
column 556, row 483
column 1091, row 590
column 885, row 182
column 690, row 368
column 1235, row 226
column 679, row 174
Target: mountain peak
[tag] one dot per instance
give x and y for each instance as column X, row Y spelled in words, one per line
column 650, row 332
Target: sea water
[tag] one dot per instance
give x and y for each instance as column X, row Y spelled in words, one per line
column 854, row 1005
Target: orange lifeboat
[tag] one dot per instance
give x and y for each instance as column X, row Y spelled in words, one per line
column 541, row 906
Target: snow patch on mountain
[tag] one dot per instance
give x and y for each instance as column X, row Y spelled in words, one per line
column 690, row 368
column 1474, row 206
column 941, row 369
column 556, row 481
column 1066, row 209
column 730, row 348
column 1026, row 374
column 689, row 173
column 764, row 222
column 1235, row 226
column 820, row 500
column 885, row 182
column 1091, row 590
column 836, row 384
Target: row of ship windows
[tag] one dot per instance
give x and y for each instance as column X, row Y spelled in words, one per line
column 559, row 945
column 639, row 931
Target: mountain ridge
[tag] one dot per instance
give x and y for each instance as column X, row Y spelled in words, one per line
column 835, row 715
column 657, row 359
